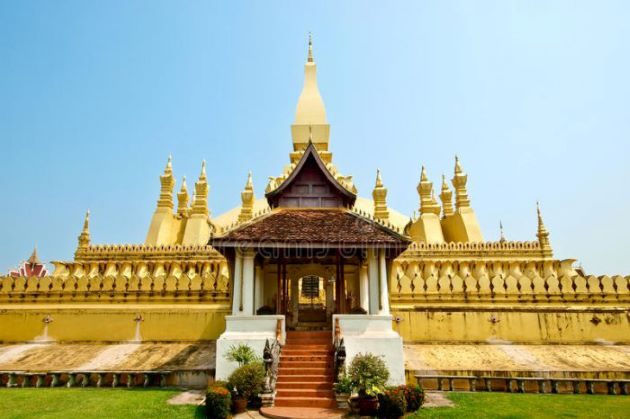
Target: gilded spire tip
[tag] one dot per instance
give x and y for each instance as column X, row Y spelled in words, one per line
column 310, row 48
column 423, row 175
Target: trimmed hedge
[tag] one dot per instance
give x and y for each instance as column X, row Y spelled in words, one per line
column 218, row 403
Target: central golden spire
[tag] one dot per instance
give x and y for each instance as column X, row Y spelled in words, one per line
column 310, row 113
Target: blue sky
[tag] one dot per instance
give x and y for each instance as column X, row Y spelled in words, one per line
column 532, row 95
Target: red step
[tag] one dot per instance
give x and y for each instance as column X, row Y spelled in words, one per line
column 324, row 402
column 303, row 378
column 309, row 385
column 302, row 392
column 305, row 372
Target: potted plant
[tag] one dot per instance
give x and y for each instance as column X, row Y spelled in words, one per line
column 368, row 374
column 343, row 389
column 241, row 354
column 246, row 382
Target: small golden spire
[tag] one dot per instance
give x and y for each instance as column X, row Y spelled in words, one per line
column 167, row 183
column 84, row 237
column 380, row 198
column 200, row 200
column 446, row 196
column 502, row 235
column 247, row 200
column 459, row 183
column 543, row 234
column 428, row 204
column 183, row 198
column 310, row 48
column 379, row 181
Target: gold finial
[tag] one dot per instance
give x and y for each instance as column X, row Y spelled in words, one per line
column 247, row 200
column 446, row 196
column 86, row 221
column 379, row 181
column 182, row 199
column 459, row 183
column 84, row 237
column 543, row 234
column 203, row 169
column 379, row 194
column 310, row 134
column 310, row 48
column 169, row 163
column 423, row 175
column 502, row 235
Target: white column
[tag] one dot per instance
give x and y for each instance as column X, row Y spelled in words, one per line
column 383, row 283
column 259, row 300
column 373, row 281
column 295, row 300
column 237, row 281
column 364, row 288
column 248, row 283
column 330, row 298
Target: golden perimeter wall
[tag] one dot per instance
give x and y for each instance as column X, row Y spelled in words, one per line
column 449, row 293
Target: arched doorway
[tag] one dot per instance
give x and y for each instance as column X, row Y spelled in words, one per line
column 312, row 301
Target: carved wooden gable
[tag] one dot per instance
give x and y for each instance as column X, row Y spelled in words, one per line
column 310, row 186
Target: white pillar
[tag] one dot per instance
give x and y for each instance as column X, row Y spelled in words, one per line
column 237, row 281
column 364, row 288
column 248, row 283
column 295, row 300
column 330, row 298
column 259, row 300
column 373, row 281
column 384, row 306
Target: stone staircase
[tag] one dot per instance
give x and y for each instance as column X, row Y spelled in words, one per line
column 305, row 372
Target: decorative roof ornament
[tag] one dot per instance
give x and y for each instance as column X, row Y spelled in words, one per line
column 380, row 198
column 428, row 204
column 446, row 196
column 34, row 258
column 167, row 184
column 502, row 235
column 459, row 183
column 247, row 200
column 200, row 200
column 183, row 198
column 543, row 234
column 84, row 237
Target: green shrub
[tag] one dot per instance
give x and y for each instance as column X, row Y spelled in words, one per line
column 392, row 403
column 343, row 385
column 218, row 403
column 241, row 354
column 247, row 381
column 368, row 374
column 414, row 394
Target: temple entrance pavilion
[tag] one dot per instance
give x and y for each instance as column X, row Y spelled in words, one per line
column 309, row 241
column 308, row 281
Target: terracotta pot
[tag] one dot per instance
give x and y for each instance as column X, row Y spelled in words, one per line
column 239, row 405
column 368, row 406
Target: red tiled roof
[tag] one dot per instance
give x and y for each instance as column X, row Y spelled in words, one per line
column 329, row 227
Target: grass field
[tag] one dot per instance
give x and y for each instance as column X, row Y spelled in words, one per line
column 89, row 403
column 513, row 406
column 140, row 403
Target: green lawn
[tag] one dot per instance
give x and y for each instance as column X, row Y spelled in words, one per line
column 507, row 405
column 85, row 403
column 139, row 403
